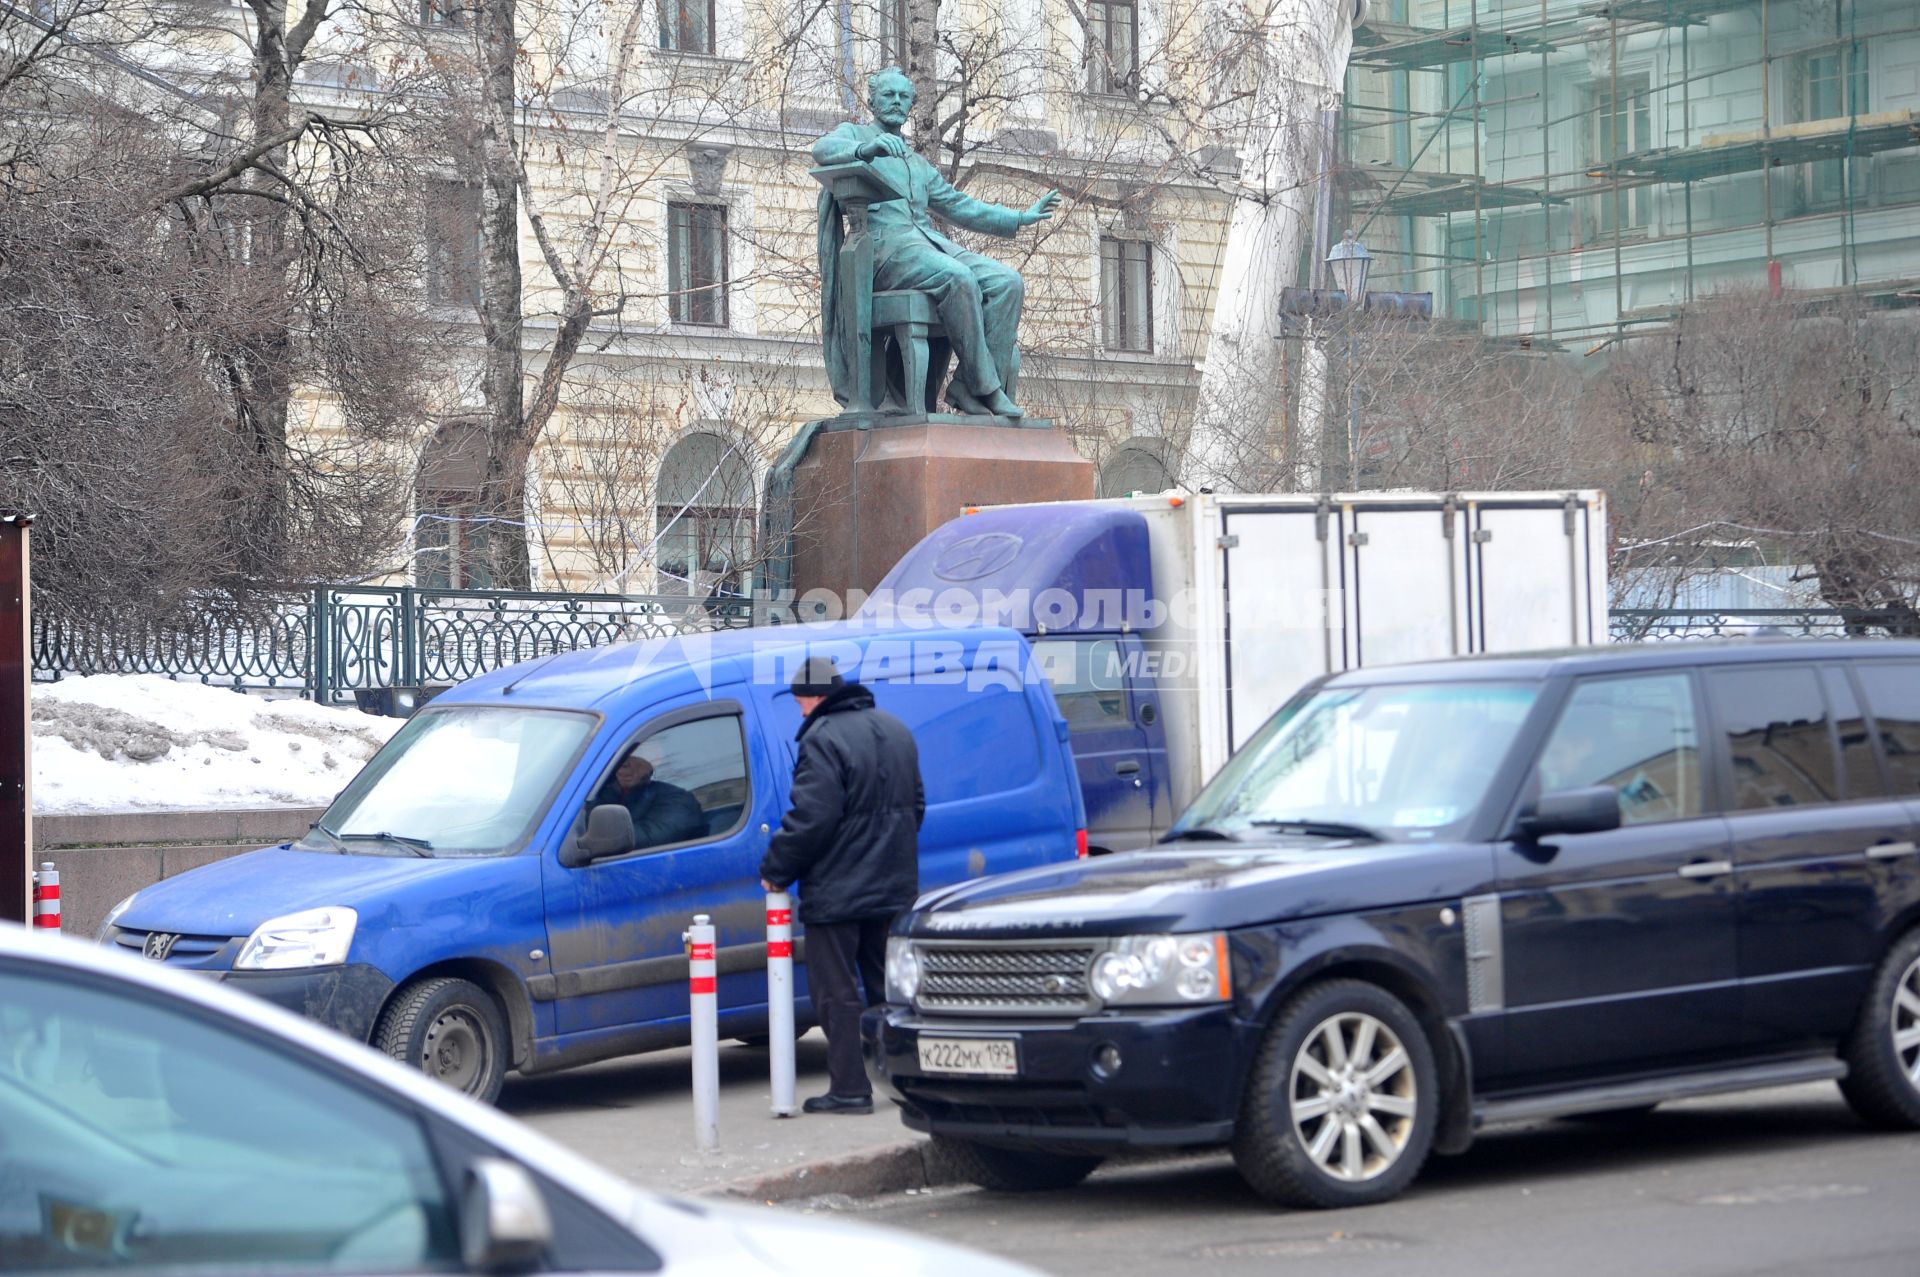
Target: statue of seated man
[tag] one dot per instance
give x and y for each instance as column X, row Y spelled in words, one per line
column 978, row 299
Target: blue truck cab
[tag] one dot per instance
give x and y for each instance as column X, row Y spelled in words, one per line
column 483, row 896
column 1077, row 579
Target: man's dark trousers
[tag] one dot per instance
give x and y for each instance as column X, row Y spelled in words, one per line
column 843, row 958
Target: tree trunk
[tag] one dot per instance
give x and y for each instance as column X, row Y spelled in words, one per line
column 1301, row 65
column 503, row 493
column 923, row 68
column 261, row 373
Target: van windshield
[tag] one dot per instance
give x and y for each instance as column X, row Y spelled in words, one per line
column 463, row 780
column 1406, row 761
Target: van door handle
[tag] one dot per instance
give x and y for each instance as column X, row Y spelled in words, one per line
column 1890, row 850
column 1706, row 869
column 1131, row 768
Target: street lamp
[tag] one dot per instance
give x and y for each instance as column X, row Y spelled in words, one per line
column 1303, row 309
column 1349, row 261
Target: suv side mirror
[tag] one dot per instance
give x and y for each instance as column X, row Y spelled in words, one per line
column 1592, row 810
column 504, row 1224
column 609, row 833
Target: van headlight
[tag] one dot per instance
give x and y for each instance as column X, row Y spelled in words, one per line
column 1164, row 970
column 113, row 916
column 311, row 938
column 903, row 971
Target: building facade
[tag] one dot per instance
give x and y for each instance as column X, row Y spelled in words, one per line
column 1569, row 172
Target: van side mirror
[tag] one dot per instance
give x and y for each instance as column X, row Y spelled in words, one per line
column 1591, row 810
column 609, row 833
column 504, row 1224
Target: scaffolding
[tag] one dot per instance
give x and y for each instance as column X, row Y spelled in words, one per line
column 1515, row 158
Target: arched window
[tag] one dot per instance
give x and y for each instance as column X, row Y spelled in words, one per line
column 453, row 542
column 704, row 517
column 1134, row 468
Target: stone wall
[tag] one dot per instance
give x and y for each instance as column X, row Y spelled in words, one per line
column 104, row 857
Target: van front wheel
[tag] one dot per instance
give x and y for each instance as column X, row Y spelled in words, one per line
column 449, row 1029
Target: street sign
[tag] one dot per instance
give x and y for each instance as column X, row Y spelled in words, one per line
column 16, row 753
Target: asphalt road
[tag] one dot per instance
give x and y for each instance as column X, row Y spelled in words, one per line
column 1776, row 1182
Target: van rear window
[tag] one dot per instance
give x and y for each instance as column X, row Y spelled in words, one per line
column 971, row 744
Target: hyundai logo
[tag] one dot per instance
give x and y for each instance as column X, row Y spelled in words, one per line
column 159, row 944
column 971, row 558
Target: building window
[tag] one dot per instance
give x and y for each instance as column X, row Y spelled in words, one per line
column 704, row 518
column 454, row 250
column 686, row 26
column 1620, row 125
column 697, row 263
column 892, row 32
column 444, row 13
column 1133, row 469
column 1833, row 87
column 1113, row 43
column 1126, row 294
column 454, row 542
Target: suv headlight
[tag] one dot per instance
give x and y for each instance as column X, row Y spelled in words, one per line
column 1164, row 970
column 311, row 938
column 903, row 971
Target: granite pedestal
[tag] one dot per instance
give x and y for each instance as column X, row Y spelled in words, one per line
column 863, row 497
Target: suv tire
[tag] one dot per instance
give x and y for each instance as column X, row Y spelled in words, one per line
column 1343, row 1101
column 1010, row 1170
column 451, row 1030
column 1883, row 1051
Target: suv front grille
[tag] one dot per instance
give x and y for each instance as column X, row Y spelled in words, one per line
column 988, row 978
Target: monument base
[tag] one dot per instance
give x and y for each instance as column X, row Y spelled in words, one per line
column 864, row 494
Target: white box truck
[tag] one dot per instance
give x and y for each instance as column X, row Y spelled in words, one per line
column 1173, row 626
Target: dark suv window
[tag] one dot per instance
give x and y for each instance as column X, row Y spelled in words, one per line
column 1893, row 696
column 1636, row 734
column 1779, row 738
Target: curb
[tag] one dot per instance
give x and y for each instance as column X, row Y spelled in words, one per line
column 869, row 1173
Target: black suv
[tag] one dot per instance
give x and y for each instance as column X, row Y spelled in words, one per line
column 1431, row 897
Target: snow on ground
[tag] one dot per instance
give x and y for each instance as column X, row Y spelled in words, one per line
column 122, row 742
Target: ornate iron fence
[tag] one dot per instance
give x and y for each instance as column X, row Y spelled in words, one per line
column 1659, row 625
column 336, row 640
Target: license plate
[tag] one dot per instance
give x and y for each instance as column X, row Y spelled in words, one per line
column 980, row 1057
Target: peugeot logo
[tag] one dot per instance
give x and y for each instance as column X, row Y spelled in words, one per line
column 971, row 558
column 159, row 944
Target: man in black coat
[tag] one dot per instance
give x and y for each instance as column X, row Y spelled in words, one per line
column 851, row 839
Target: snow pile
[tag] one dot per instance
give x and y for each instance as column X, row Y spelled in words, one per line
column 121, row 742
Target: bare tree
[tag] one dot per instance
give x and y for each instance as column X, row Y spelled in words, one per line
column 1789, row 424
column 215, row 334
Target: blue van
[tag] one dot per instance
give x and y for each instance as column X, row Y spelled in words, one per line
column 474, row 900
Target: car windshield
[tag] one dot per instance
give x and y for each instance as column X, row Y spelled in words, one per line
column 459, row 780
column 1403, row 761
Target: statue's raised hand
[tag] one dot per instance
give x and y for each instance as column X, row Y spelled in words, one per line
column 1041, row 210
column 886, row 144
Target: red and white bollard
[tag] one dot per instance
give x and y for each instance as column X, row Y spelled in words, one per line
column 780, row 1000
column 46, row 897
column 705, row 1021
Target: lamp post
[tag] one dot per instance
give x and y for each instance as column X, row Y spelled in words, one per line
column 1348, row 263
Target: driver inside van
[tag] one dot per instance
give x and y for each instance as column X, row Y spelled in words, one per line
column 662, row 813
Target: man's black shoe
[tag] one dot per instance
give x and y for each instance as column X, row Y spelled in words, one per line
column 838, row 1104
